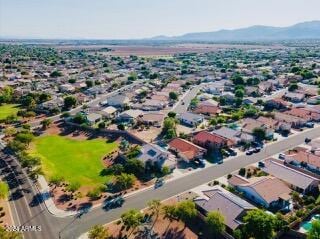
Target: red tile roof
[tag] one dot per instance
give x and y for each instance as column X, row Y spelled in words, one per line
column 186, row 148
column 205, row 136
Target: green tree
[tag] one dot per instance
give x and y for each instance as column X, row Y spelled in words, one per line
column 215, row 223
column 24, row 137
column 132, row 76
column 6, row 94
column 89, row 83
column 134, row 166
column 4, row 190
column 98, row 232
column 173, row 95
column 259, row 224
column 259, row 133
column 172, row 114
column 101, row 125
column 293, row 87
column 46, row 123
column 186, row 210
column 155, row 207
column 132, row 219
column 69, row 102
column 314, row 232
column 55, row 74
column 165, row 170
column 239, row 93
column 169, row 127
column 124, row 181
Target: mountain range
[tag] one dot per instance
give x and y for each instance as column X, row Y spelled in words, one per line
column 304, row 30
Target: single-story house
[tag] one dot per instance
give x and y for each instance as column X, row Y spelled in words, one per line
column 211, row 141
column 233, row 135
column 190, row 119
column 129, row 116
column 93, row 118
column 109, row 112
column 152, row 118
column 118, row 100
column 267, row 191
column 297, row 180
column 293, row 121
column 186, row 150
column 294, row 97
column 232, row 207
column 303, row 157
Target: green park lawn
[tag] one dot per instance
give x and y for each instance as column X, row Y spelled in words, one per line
column 7, row 110
column 77, row 161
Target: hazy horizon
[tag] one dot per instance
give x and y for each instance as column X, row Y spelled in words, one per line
column 124, row 19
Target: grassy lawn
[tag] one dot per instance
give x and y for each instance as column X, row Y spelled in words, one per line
column 7, row 110
column 74, row 160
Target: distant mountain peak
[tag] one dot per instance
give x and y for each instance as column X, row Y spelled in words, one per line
column 303, row 30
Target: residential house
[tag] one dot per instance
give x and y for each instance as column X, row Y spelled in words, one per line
column 306, row 113
column 154, row 155
column 129, row 116
column 93, row 118
column 234, row 136
column 276, row 103
column 249, row 124
column 294, row 97
column 231, row 207
column 304, row 158
column 297, row 180
column 190, row 119
column 152, row 118
column 154, row 105
column 293, row 121
column 118, row 101
column 209, row 107
column 186, row 150
column 109, row 112
column 267, row 191
column 211, row 141
column 67, row 88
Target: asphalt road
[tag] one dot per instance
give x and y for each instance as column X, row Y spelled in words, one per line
column 72, row 227
column 180, row 107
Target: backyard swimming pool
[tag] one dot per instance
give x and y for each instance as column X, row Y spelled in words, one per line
column 306, row 226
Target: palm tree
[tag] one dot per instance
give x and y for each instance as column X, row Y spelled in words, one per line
column 132, row 219
column 154, row 206
column 170, row 213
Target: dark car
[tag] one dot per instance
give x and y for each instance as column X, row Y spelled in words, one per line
column 307, row 140
column 113, row 203
column 159, row 182
column 249, row 152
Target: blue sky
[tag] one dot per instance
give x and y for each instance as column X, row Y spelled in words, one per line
column 123, row 19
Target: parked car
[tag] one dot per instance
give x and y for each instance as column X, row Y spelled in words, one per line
column 256, row 150
column 261, row 164
column 281, row 156
column 307, row 140
column 309, row 124
column 249, row 152
column 159, row 182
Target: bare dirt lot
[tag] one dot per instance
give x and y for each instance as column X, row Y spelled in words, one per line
column 160, row 50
